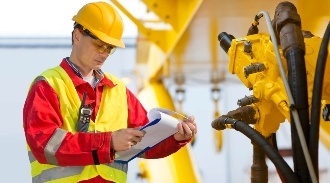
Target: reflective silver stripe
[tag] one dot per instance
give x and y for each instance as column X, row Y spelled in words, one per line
column 31, row 157
column 39, row 78
column 53, row 145
column 57, row 173
column 119, row 166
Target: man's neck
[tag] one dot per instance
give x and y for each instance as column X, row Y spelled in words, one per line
column 83, row 72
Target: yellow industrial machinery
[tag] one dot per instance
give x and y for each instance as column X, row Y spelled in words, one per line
column 181, row 35
column 287, row 72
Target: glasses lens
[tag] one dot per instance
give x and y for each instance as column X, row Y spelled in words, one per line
column 112, row 50
column 101, row 47
column 107, row 48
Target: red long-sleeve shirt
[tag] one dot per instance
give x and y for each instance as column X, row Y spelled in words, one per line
column 41, row 116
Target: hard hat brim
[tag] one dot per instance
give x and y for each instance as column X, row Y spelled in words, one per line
column 103, row 37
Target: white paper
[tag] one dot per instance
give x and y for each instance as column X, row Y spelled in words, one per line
column 161, row 125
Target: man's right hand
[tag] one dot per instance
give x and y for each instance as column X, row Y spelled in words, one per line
column 124, row 139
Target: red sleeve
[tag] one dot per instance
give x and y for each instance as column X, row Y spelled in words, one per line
column 165, row 148
column 137, row 116
column 42, row 117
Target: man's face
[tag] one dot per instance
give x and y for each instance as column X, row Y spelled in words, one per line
column 92, row 52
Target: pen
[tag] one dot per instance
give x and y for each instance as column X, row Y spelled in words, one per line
column 173, row 113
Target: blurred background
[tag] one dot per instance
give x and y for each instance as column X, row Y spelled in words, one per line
column 172, row 59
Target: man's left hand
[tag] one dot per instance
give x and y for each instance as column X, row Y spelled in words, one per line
column 186, row 129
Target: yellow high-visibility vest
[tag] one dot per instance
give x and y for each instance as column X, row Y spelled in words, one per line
column 112, row 115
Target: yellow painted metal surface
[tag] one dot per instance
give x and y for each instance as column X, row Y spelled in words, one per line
column 178, row 167
column 164, row 37
column 267, row 85
column 217, row 134
column 312, row 49
column 315, row 15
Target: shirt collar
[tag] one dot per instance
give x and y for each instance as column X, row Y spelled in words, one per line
column 76, row 76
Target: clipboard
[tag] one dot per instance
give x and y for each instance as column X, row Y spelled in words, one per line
column 162, row 124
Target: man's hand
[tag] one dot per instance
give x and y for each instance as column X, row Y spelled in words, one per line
column 124, row 139
column 186, row 129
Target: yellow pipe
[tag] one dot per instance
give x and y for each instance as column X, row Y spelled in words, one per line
column 178, row 167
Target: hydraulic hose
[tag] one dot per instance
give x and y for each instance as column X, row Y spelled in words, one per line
column 259, row 168
column 274, row 144
column 294, row 112
column 316, row 99
column 300, row 130
column 254, row 27
column 257, row 139
column 288, row 27
column 298, row 83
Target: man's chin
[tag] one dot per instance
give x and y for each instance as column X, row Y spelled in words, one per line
column 97, row 67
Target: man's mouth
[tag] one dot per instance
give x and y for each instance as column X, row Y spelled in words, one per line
column 99, row 61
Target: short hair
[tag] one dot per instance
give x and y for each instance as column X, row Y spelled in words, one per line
column 75, row 26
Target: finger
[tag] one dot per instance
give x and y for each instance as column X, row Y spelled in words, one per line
column 137, row 132
column 190, row 119
column 187, row 131
column 192, row 127
column 144, row 132
column 136, row 139
column 180, row 129
column 131, row 143
column 192, row 124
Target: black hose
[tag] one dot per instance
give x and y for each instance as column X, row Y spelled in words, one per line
column 274, row 144
column 259, row 140
column 316, row 99
column 271, row 153
column 288, row 26
column 298, row 85
column 254, row 27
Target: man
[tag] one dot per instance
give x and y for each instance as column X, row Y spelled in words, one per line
column 76, row 117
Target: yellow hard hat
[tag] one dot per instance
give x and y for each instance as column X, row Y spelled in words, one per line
column 103, row 20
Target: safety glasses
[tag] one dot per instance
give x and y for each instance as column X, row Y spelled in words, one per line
column 100, row 45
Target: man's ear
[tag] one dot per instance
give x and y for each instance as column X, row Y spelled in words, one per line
column 76, row 35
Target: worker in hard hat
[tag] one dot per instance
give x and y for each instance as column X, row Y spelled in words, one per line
column 76, row 117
